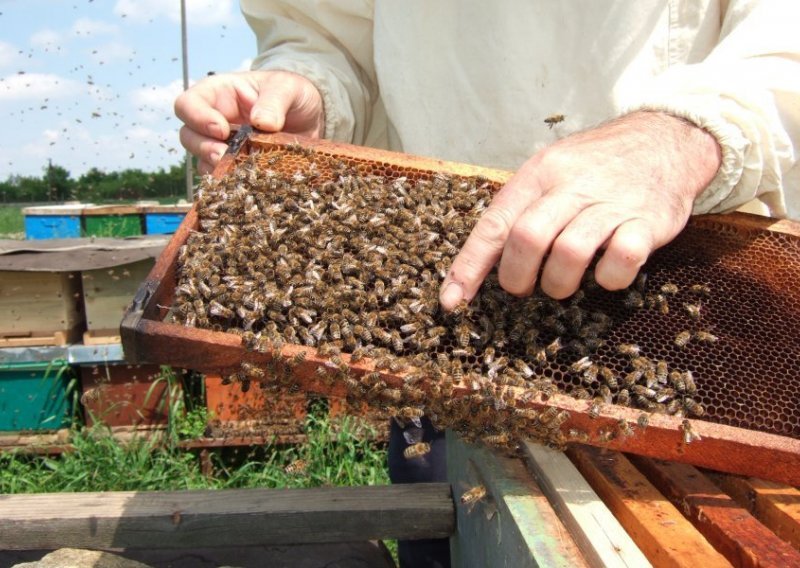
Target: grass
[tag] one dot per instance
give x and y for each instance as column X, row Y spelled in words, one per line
column 12, row 224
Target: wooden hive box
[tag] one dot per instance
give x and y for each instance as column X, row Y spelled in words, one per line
column 126, row 395
column 107, row 292
column 35, row 396
column 115, row 221
column 40, row 308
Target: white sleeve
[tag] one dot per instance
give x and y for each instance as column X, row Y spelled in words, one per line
column 330, row 44
column 746, row 92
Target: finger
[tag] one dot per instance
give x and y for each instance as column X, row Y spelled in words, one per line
column 573, row 251
column 205, row 167
column 628, row 249
column 278, row 93
column 206, row 149
column 485, row 243
column 531, row 238
column 196, row 109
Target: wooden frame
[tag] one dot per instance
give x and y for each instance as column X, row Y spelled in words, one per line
column 147, row 338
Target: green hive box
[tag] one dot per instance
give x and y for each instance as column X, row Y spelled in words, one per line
column 112, row 221
column 35, row 396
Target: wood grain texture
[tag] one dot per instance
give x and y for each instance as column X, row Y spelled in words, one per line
column 599, row 535
column 234, row 517
column 665, row 536
column 728, row 527
column 774, row 504
column 514, row 525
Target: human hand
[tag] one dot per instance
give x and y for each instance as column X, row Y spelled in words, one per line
column 269, row 100
column 627, row 186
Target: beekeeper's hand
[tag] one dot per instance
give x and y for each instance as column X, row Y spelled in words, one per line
column 626, row 186
column 268, row 100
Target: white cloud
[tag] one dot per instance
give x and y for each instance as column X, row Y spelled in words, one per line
column 9, row 55
column 111, row 52
column 86, row 27
column 155, row 102
column 198, row 12
column 31, row 86
column 46, row 38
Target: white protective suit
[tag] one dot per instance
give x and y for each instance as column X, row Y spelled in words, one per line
column 473, row 81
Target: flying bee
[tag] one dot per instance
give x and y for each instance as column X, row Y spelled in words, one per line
column 472, row 496
column 705, row 337
column 554, row 119
column 296, row 467
column 91, row 395
column 689, row 435
column 693, row 310
column 416, row 450
column 683, row 338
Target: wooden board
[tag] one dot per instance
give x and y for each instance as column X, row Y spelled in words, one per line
column 514, row 525
column 774, row 504
column 37, row 306
column 232, row 517
column 728, row 527
column 657, row 527
column 599, row 535
column 101, row 337
column 107, row 292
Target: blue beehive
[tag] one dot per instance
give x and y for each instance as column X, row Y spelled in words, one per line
column 35, row 396
column 164, row 219
column 54, row 221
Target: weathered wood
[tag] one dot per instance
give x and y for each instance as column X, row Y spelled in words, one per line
column 234, row 517
column 728, row 527
column 513, row 525
column 57, row 338
column 39, row 306
column 107, row 292
column 660, row 530
column 101, row 337
column 774, row 504
column 599, row 535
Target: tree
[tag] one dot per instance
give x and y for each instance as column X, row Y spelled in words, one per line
column 59, row 184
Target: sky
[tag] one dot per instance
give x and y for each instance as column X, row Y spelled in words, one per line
column 91, row 83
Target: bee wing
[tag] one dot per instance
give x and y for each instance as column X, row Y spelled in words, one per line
column 413, row 435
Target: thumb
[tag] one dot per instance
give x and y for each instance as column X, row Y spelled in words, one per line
column 269, row 111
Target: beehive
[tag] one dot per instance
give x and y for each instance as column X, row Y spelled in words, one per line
column 714, row 254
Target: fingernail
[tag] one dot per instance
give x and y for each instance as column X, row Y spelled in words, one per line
column 215, row 130
column 214, row 157
column 264, row 119
column 452, row 294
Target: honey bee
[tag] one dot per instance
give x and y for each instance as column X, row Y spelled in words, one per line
column 296, row 467
column 628, row 349
column 693, row 407
column 554, row 119
column 501, row 439
column 683, row 338
column 669, row 288
column 554, row 347
column 580, row 365
column 548, row 415
column 633, row 300
column 609, row 377
column 594, row 410
column 689, row 435
column 705, row 337
column 417, row 450
column 700, row 289
column 470, row 497
column 624, row 429
column 623, row 397
column 693, row 310
column 643, row 420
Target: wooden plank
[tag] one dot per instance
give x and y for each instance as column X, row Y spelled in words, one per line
column 39, row 303
column 665, row 536
column 232, row 517
column 107, row 292
column 101, row 337
column 599, row 535
column 774, row 504
column 513, row 525
column 728, row 527
column 58, row 338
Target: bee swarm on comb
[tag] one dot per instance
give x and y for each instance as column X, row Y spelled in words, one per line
column 296, row 247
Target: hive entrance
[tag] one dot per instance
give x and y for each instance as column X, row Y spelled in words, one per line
column 345, row 254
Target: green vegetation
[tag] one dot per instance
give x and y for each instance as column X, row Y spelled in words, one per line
column 12, row 223
column 56, row 185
